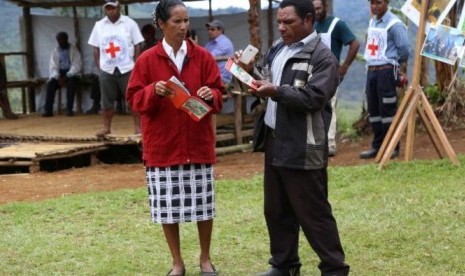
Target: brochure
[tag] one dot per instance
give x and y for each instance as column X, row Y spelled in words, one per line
column 182, row 99
column 240, row 73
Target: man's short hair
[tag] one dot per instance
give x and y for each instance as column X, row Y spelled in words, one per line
column 62, row 35
column 302, row 7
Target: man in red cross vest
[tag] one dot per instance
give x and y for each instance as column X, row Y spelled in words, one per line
column 117, row 43
column 386, row 49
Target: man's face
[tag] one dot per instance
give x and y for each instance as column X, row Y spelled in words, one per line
column 291, row 27
column 379, row 7
column 320, row 10
column 62, row 42
column 213, row 32
column 112, row 13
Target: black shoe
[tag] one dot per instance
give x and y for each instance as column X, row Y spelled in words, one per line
column 94, row 109
column 371, row 153
column 293, row 271
column 47, row 114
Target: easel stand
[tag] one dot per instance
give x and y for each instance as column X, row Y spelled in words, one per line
column 415, row 101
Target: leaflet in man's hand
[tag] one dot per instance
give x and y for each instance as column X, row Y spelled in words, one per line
column 183, row 100
column 239, row 73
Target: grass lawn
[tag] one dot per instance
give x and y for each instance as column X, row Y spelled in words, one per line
column 408, row 219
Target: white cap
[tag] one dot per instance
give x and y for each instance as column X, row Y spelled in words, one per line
column 113, row 3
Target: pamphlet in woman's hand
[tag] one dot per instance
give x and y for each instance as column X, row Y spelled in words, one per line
column 240, row 73
column 182, row 99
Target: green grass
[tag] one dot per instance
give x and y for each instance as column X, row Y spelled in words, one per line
column 347, row 113
column 408, row 219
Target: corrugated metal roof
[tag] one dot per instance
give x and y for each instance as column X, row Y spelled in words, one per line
column 73, row 3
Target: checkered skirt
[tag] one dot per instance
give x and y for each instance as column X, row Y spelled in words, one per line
column 181, row 193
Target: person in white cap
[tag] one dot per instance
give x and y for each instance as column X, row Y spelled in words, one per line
column 117, row 43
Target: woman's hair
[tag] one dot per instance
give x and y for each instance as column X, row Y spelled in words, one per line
column 302, row 7
column 163, row 10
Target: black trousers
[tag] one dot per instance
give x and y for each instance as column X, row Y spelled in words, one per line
column 53, row 85
column 381, row 102
column 299, row 198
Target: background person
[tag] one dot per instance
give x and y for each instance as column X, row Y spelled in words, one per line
column 220, row 45
column 149, row 33
column 65, row 70
column 335, row 34
column 116, row 40
column 383, row 63
column 178, row 152
column 303, row 78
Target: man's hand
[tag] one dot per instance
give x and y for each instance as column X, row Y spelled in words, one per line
column 246, row 67
column 343, row 70
column 265, row 89
column 62, row 81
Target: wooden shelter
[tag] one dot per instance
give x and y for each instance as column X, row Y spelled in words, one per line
column 29, row 149
column 29, row 84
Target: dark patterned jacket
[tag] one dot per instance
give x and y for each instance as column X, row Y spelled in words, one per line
column 309, row 80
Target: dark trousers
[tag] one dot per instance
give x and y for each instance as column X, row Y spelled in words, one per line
column 95, row 91
column 382, row 103
column 299, row 198
column 53, row 86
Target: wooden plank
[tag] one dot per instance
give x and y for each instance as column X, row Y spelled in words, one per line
column 46, row 150
column 15, row 163
column 440, row 132
column 432, row 134
column 395, row 123
column 398, row 132
column 411, row 125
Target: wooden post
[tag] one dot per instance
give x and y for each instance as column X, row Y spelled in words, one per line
column 78, row 45
column 30, row 56
column 415, row 101
column 254, row 23
column 270, row 23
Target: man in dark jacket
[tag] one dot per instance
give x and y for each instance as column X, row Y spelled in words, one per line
column 301, row 76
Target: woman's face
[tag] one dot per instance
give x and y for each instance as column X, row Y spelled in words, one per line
column 175, row 28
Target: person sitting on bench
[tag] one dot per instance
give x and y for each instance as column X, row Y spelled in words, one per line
column 65, row 70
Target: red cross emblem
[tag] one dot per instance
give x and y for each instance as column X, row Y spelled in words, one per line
column 112, row 50
column 373, row 48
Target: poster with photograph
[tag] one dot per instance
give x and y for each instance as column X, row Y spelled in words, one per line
column 462, row 57
column 437, row 11
column 443, row 44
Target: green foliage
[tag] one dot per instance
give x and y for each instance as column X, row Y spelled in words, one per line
column 347, row 114
column 405, row 220
column 433, row 94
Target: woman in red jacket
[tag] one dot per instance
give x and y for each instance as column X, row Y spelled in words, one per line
column 178, row 151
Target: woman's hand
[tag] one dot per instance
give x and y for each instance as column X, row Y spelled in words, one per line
column 161, row 89
column 205, row 93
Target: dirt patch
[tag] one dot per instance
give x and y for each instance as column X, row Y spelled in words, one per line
column 103, row 177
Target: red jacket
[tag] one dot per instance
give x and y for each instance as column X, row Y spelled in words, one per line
column 170, row 136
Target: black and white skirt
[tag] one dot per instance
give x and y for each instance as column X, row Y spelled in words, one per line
column 181, row 193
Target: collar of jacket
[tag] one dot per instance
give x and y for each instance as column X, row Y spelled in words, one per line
column 305, row 53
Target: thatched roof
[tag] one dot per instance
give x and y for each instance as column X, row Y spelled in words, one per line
column 73, row 3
